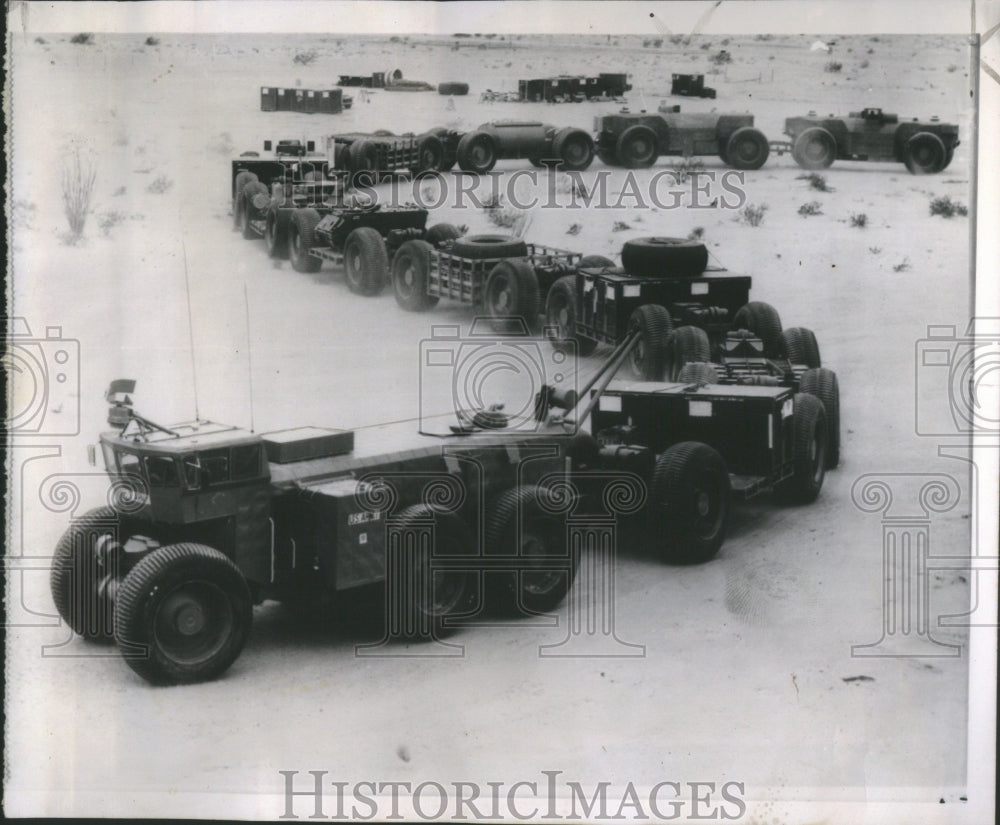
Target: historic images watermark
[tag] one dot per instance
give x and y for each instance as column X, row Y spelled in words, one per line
column 955, row 403
column 552, row 796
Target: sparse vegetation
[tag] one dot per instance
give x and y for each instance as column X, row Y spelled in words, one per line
column 687, row 167
column 875, row 250
column 78, row 178
column 620, row 226
column 109, row 219
column 697, row 233
column 41, row 40
column 833, row 66
column 902, row 266
column 500, row 214
column 721, row 57
column 752, row 214
column 82, row 39
column 152, row 41
column 952, row 68
column 816, row 181
column 859, row 220
column 947, row 208
column 811, row 208
column 161, row 185
column 864, row 64
column 305, row 58
column 574, row 229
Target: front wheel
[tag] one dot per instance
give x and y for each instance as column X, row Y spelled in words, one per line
column 808, row 451
column 411, row 269
column 690, row 502
column 763, row 321
column 183, row 614
column 925, row 154
column 574, row 148
column 301, row 238
column 823, row 384
column 366, row 262
column 561, row 316
column 276, row 233
column 512, row 291
column 801, row 347
column 653, row 324
column 747, row 148
column 815, row 148
column 636, row 147
column 476, row 153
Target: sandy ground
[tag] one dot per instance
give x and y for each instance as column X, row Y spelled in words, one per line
column 746, row 657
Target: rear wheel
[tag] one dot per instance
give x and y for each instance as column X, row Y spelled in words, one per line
column 561, row 315
column 747, row 148
column 808, row 451
column 411, row 269
column 690, row 502
column 363, row 160
column 574, row 148
column 762, row 320
column 183, row 614
column 636, row 147
column 242, row 179
column 366, row 262
column 430, row 155
column 276, row 233
column 925, row 154
column 823, row 384
column 301, row 239
column 653, row 324
column 543, row 567
column 476, row 153
column 512, row 291
column 815, row 148
column 83, row 567
column 698, row 372
column 685, row 345
column 801, row 347
column 252, row 193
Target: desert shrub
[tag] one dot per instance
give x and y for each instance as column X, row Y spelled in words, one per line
column 721, row 57
column 82, row 39
column 305, row 58
column 108, row 220
column 500, row 214
column 41, row 40
column 152, row 41
column 78, row 178
column 697, row 233
column 574, row 229
column 864, row 64
column 859, row 220
column 687, row 167
column 811, row 208
column 902, row 266
column 947, row 208
column 833, row 67
column 816, row 181
column 875, row 250
column 161, row 185
column 752, row 214
column 620, row 226
column 952, row 68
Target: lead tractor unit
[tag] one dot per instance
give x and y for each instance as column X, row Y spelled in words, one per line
column 636, row 139
column 213, row 519
column 501, row 275
column 695, row 322
column 478, row 151
column 926, row 147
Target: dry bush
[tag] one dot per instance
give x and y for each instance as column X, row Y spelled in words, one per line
column 811, row 208
column 721, row 57
column 859, row 220
column 816, row 181
column 82, row 39
column 160, row 185
column 833, row 67
column 620, row 226
column 697, row 233
column 305, row 58
column 947, row 208
column 78, row 178
column 752, row 214
column 152, row 41
column 687, row 167
column 902, row 266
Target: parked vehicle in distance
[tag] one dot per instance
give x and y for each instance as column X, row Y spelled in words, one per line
column 696, row 321
column 636, row 139
column 926, row 147
column 690, row 85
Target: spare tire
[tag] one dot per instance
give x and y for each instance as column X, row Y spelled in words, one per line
column 480, row 247
column 664, row 257
column 453, row 88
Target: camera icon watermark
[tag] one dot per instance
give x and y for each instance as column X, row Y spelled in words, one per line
column 956, row 380
column 43, row 382
column 489, row 381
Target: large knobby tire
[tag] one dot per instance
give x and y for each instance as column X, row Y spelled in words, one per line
column 411, row 268
column 815, row 148
column 762, row 320
column 301, row 239
column 482, row 247
column 747, row 148
column 250, row 210
column 823, row 384
column 690, row 502
column 685, row 345
column 441, row 233
column 476, row 153
column 636, row 147
column 574, row 148
column 664, row 257
column 428, row 596
column 362, row 158
column 276, row 233
column 183, row 614
column 561, row 315
column 79, row 566
column 453, row 88
column 595, row 262
column 654, row 326
column 801, row 347
column 925, row 154
column 702, row 373
column 808, row 451
column 430, row 155
column 366, row 261
column 511, row 291
column 542, row 566
column 242, row 179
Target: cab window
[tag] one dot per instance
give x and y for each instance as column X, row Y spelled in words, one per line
column 162, row 471
column 215, row 467
column 246, row 462
column 128, row 465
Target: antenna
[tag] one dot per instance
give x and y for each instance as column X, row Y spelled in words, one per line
column 246, row 303
column 194, row 372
